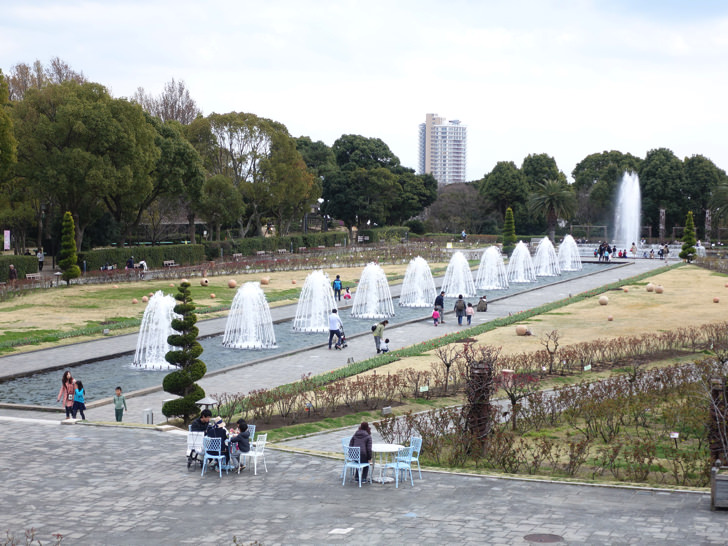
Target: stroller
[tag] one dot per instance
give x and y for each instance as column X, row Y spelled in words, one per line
column 194, row 447
column 341, row 344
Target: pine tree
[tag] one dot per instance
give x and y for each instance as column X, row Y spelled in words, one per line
column 688, row 249
column 67, row 258
column 182, row 381
column 509, row 232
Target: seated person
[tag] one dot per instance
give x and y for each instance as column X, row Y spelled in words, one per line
column 202, row 423
column 384, row 346
column 347, row 294
column 363, row 440
column 218, row 430
column 240, row 443
column 482, row 305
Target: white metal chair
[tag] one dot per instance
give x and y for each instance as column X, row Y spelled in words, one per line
column 344, row 447
column 401, row 463
column 352, row 462
column 251, row 429
column 213, row 451
column 256, row 452
column 194, row 446
column 416, row 444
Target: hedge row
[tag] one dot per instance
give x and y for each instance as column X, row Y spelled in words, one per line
column 155, row 256
column 24, row 264
column 387, row 234
column 250, row 245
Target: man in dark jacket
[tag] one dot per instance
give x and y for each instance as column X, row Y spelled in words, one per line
column 440, row 306
column 202, row 422
column 363, row 440
column 240, row 443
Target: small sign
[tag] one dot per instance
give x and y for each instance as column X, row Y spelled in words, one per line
column 6, row 240
column 449, row 245
column 424, row 388
column 675, row 435
column 587, row 367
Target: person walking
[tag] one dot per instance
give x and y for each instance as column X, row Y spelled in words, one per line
column 440, row 306
column 460, row 308
column 119, row 404
column 12, row 275
column 79, row 400
column 66, row 393
column 436, row 316
column 337, row 287
column 335, row 328
column 41, row 257
column 377, row 333
column 469, row 312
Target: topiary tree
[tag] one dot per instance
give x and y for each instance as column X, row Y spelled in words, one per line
column 688, row 249
column 509, row 232
column 182, row 381
column 67, row 258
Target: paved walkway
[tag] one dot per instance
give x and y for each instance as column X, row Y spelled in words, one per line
column 97, row 485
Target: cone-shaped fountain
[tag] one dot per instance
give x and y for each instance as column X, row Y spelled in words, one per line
column 458, row 277
column 545, row 263
column 520, row 266
column 418, row 287
column 569, row 259
column 492, row 273
column 372, row 298
column 314, row 304
column 249, row 325
column 156, row 327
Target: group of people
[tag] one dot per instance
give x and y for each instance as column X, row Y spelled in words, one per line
column 461, row 308
column 336, row 329
column 235, row 441
column 604, row 252
column 73, row 397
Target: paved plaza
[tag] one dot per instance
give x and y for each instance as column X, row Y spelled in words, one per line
column 112, row 485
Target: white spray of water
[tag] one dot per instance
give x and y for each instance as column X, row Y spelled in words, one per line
column 372, row 298
column 155, row 329
column 628, row 210
column 458, row 277
column 520, row 265
column 492, row 273
column 569, row 259
column 418, row 287
column 545, row 262
column 314, row 304
column 249, row 324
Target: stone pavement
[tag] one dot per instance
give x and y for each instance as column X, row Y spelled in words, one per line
column 283, row 369
column 101, row 485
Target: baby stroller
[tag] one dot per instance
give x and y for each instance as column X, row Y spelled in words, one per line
column 194, row 447
column 341, row 344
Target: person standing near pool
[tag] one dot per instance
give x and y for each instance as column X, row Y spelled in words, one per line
column 337, row 287
column 335, row 328
column 68, row 389
column 440, row 306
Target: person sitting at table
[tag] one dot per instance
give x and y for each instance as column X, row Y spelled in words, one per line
column 240, row 443
column 202, row 423
column 218, row 431
column 363, row 440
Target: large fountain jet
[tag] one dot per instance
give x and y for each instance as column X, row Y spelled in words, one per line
column 458, row 277
column 372, row 298
column 418, row 287
column 492, row 273
column 628, row 211
column 314, row 304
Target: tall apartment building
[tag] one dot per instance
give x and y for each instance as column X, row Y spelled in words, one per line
column 443, row 149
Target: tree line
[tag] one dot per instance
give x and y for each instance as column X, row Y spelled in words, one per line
column 116, row 164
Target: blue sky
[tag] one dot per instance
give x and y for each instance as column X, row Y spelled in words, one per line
column 565, row 78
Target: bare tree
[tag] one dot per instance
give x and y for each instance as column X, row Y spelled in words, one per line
column 447, row 354
column 550, row 342
column 24, row 77
column 174, row 103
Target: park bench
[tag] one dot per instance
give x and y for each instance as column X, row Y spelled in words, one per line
column 261, row 253
column 337, row 244
column 169, row 263
column 321, row 247
column 237, row 257
column 32, row 276
column 282, row 251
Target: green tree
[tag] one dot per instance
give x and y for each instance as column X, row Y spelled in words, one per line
column 662, row 176
column 537, row 168
column 552, row 200
column 459, row 207
column 67, row 257
column 363, row 152
column 509, row 232
column 702, row 177
column 8, row 144
column 220, row 203
column 504, row 186
column 688, row 248
column 319, row 158
column 181, row 382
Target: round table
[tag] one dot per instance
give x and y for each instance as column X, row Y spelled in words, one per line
column 384, row 451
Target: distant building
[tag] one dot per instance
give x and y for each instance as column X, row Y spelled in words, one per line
column 443, row 149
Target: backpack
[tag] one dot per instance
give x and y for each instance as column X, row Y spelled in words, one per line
column 460, row 305
column 337, row 284
column 374, row 327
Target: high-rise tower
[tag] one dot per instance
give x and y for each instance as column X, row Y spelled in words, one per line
column 443, row 149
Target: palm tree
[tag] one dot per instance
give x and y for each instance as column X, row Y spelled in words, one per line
column 552, row 200
column 719, row 201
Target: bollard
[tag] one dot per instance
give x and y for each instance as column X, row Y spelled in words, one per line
column 148, row 417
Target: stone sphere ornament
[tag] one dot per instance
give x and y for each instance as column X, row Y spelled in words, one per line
column 610, row 318
column 134, row 301
column 183, row 281
column 625, row 289
column 603, row 300
column 212, row 296
column 232, row 283
column 659, row 289
column 171, row 285
column 716, row 300
column 145, row 299
column 265, row 280
column 650, row 287
column 293, row 281
column 116, row 286
column 204, row 282
column 521, row 330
